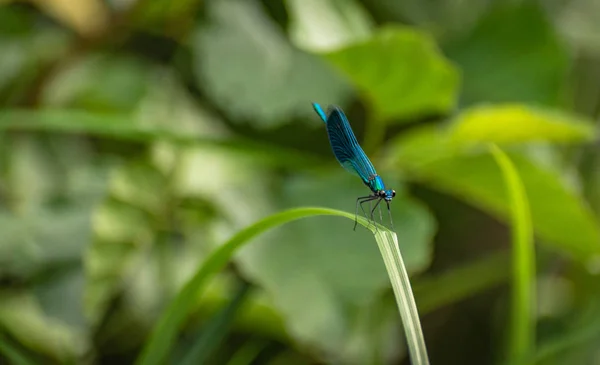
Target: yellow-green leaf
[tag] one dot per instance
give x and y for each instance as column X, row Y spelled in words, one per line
column 514, row 123
column 560, row 216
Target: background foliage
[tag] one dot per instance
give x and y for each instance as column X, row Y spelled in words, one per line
column 138, row 136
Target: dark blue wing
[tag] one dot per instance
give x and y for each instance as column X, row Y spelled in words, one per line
column 345, row 146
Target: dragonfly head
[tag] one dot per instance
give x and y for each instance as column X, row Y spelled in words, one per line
column 388, row 195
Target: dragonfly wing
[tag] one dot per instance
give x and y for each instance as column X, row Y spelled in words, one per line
column 345, row 146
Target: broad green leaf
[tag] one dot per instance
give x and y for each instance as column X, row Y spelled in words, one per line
column 515, row 123
column 512, row 55
column 560, row 216
column 326, row 260
column 501, row 124
column 247, row 67
column 327, row 24
column 400, row 72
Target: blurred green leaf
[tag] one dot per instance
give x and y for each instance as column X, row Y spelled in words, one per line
column 515, row 123
column 512, row 55
column 591, row 180
column 125, row 127
column 145, row 214
column 59, row 291
column 577, row 21
column 443, row 18
column 236, row 189
column 51, row 191
column 31, row 175
column 22, row 317
column 120, row 230
column 578, row 339
column 115, row 221
column 99, row 82
column 341, row 276
column 435, row 291
column 564, row 221
column 327, row 24
column 25, row 51
column 171, row 196
column 140, row 185
column 172, row 17
column 42, row 238
column 248, row 68
column 400, row 72
column 289, row 358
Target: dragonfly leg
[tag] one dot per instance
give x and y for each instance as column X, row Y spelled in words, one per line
column 390, row 214
column 360, row 201
column 373, row 210
column 365, row 214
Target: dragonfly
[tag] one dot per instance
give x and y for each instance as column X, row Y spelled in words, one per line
column 352, row 158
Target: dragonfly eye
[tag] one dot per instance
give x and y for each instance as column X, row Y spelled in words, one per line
column 381, row 193
column 393, row 193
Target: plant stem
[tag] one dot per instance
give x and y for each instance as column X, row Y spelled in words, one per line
column 521, row 342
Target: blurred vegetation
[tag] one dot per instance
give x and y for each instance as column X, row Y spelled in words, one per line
column 136, row 137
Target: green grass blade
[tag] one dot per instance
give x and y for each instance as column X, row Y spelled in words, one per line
column 215, row 330
column 162, row 338
column 174, row 316
column 12, row 353
column 521, row 333
column 247, row 353
column 388, row 245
